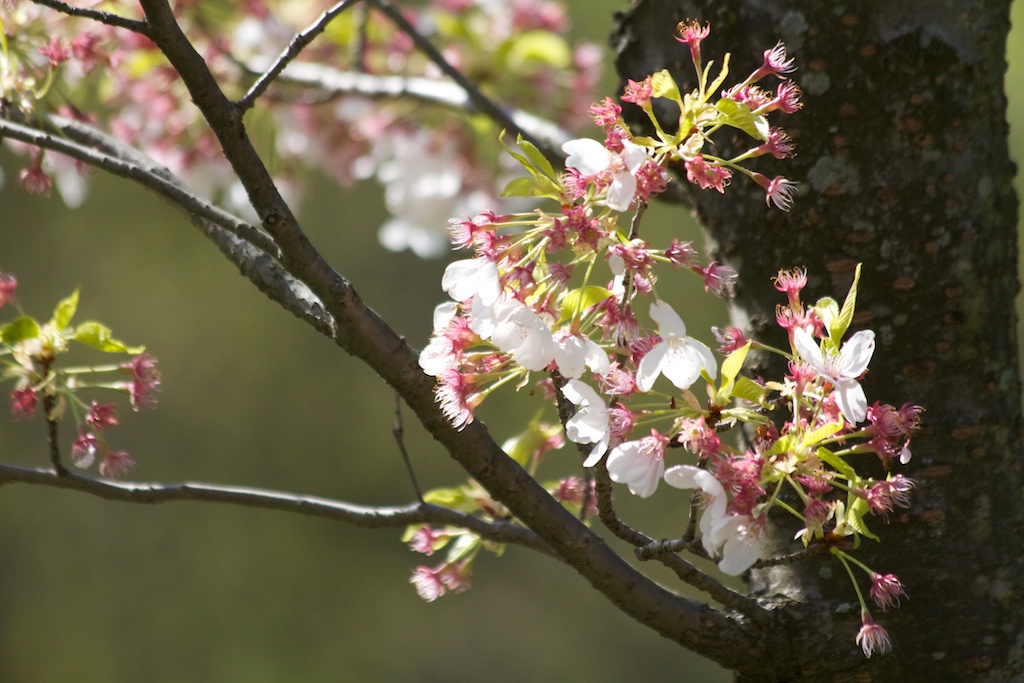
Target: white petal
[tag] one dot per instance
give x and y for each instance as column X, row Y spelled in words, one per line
column 738, row 554
column 633, row 155
column 597, row 358
column 669, row 322
column 682, row 476
column 590, row 423
column 598, row 450
column 809, row 350
column 856, row 353
column 526, row 336
column 468, row 277
column 485, row 317
column 621, row 192
column 437, row 356
column 853, row 404
column 586, row 156
column 580, row 393
column 650, row 367
column 571, row 356
column 630, row 464
column 684, row 361
column 616, row 264
column 443, row 313
column 690, row 477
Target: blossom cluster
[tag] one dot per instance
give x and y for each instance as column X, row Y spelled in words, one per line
column 351, row 105
column 561, row 292
column 31, row 353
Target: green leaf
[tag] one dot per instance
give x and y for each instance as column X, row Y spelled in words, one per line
column 19, row 329
column 842, row 323
column 836, row 463
column 99, row 337
column 519, row 187
column 748, row 390
column 539, row 161
column 709, row 92
column 454, row 498
column 663, row 85
column 536, row 186
column 731, row 367
column 827, row 310
column 782, row 444
column 579, row 300
column 740, row 116
column 855, row 518
column 65, row 311
column 822, row 433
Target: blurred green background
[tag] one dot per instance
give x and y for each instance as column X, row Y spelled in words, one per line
column 94, row 591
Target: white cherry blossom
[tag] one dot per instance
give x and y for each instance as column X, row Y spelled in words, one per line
column 731, row 537
column 438, row 355
column 639, row 464
column 841, row 369
column 574, row 353
column 589, row 425
column 467, row 278
column 515, row 329
column 524, row 334
column 678, row 357
column 590, row 157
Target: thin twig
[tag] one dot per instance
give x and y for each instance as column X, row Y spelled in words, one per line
column 102, row 17
column 154, row 177
column 52, row 436
column 362, row 45
column 298, row 44
column 805, row 554
column 313, row 506
column 483, row 103
column 253, row 252
column 606, row 510
column 399, row 434
column 683, row 569
column 668, row 546
column 443, row 93
column 691, row 525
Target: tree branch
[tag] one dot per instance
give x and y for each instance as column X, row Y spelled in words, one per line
column 362, row 333
column 313, row 506
column 102, row 17
column 684, row 570
column 298, row 44
column 245, row 246
column 443, row 93
column 483, row 103
column 114, row 157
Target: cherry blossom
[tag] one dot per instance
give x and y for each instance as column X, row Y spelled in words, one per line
column 639, row 464
column 591, row 158
column 574, row 353
column 439, row 354
column 680, row 358
column 841, row 369
column 517, row 330
column 732, row 537
column 871, row 636
column 589, row 425
column 468, row 277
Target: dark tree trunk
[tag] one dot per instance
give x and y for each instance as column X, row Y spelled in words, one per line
column 902, row 152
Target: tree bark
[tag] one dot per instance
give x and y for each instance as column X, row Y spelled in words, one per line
column 903, row 157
